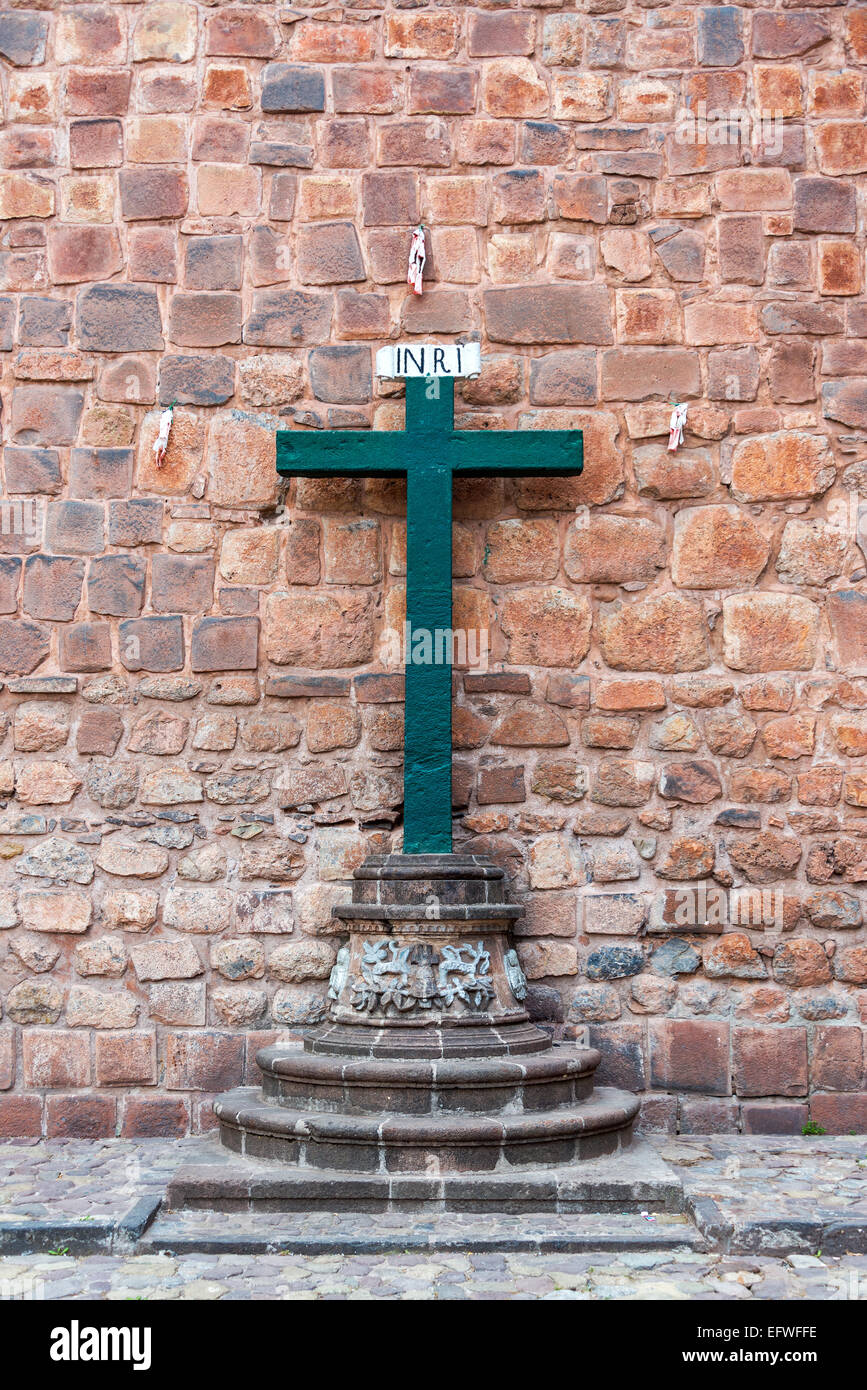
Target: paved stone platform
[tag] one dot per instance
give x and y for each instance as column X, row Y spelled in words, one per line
column 592, row 1276
column 744, row 1194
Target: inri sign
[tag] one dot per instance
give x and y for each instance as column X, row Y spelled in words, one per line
column 429, row 359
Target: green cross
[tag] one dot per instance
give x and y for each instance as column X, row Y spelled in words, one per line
column 430, row 451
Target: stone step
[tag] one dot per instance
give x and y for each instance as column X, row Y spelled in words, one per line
column 304, row 1080
column 328, row 1233
column 629, row 1182
column 391, row 1142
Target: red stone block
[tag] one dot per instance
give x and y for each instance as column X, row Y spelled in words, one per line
column 841, row 1113
column 97, row 91
column 153, row 254
column 182, row 583
column 500, row 785
column 242, row 33
column 78, row 253
column 99, row 731
column 362, row 315
column 501, row 35
column 203, row 1061
column 86, row 647
column 837, row 1057
column 283, row 191
column 416, row 143
column 389, row 199
column 125, row 1059
column 375, row 91
column 95, row 144
column 27, row 148
column 155, row 1117
column 770, row 1061
column 205, row 320
column 80, row 1117
column 20, row 1117
column 315, row 42
column 216, row 138
column 225, row 644
column 773, row 1117
column 708, row 1116
column 150, row 193
column 690, row 1056
column 449, row 91
column 56, row 1059
column 788, row 35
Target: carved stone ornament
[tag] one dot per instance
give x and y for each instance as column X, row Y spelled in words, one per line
column 416, row 976
column 515, row 975
column 339, row 973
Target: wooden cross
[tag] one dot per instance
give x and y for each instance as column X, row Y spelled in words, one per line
column 430, row 452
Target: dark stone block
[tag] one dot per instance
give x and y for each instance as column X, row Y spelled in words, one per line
column 225, row 644
column 22, row 647
column 23, row 37
column 52, row 587
column 196, row 380
column 774, row 1117
column 115, row 585
column 182, row 583
column 7, row 324
column 149, row 193
column 621, row 1046
column 152, row 644
column 304, row 687
column 213, row 263
column 543, row 142
column 281, row 155
column 86, row 647
column 720, row 40
column 100, row 472
column 119, row 318
column 341, row 374
column 74, row 527
column 288, row 318
column 137, row 521
column 10, row 575
column 32, row 470
column 614, row 962
column 44, row 322
column 287, row 87
column 238, row 602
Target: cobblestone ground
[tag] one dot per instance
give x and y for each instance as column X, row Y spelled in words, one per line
column 750, row 1178
column 629, row 1276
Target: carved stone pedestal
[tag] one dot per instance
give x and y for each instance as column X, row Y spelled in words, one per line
column 427, row 1070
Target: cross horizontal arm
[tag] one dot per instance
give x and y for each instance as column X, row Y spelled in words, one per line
column 522, row 453
column 471, row 453
column 341, row 453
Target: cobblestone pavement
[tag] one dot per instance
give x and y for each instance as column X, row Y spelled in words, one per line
column 748, row 1177
column 684, row 1275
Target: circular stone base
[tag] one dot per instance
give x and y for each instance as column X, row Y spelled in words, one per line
column 302, row 1080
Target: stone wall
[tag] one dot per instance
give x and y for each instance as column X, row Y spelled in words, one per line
column 209, row 205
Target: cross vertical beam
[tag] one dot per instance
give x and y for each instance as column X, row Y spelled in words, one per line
column 427, row 775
